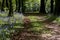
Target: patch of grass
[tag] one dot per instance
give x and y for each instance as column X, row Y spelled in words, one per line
column 1, row 22
column 18, row 26
column 37, row 26
column 32, row 18
column 58, row 20
column 3, row 14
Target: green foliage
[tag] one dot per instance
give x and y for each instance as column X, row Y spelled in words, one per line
column 31, row 6
column 57, row 20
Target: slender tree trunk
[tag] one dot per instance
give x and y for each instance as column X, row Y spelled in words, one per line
column 10, row 8
column 51, row 6
column 2, row 6
column 16, row 5
column 57, row 8
column 23, row 7
column 42, row 7
column 7, row 3
column 21, row 3
column 19, row 6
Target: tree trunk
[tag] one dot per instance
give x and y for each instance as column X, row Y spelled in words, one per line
column 7, row 3
column 51, row 6
column 19, row 6
column 42, row 7
column 10, row 8
column 16, row 5
column 23, row 7
column 2, row 6
column 57, row 8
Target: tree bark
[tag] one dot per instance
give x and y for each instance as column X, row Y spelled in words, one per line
column 42, row 7
column 2, row 6
column 57, row 8
column 7, row 4
column 23, row 7
column 16, row 5
column 51, row 6
column 10, row 8
column 19, row 6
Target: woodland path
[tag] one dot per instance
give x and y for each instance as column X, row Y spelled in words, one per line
column 29, row 35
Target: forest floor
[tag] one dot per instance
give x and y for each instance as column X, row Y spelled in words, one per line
column 26, row 34
column 29, row 35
